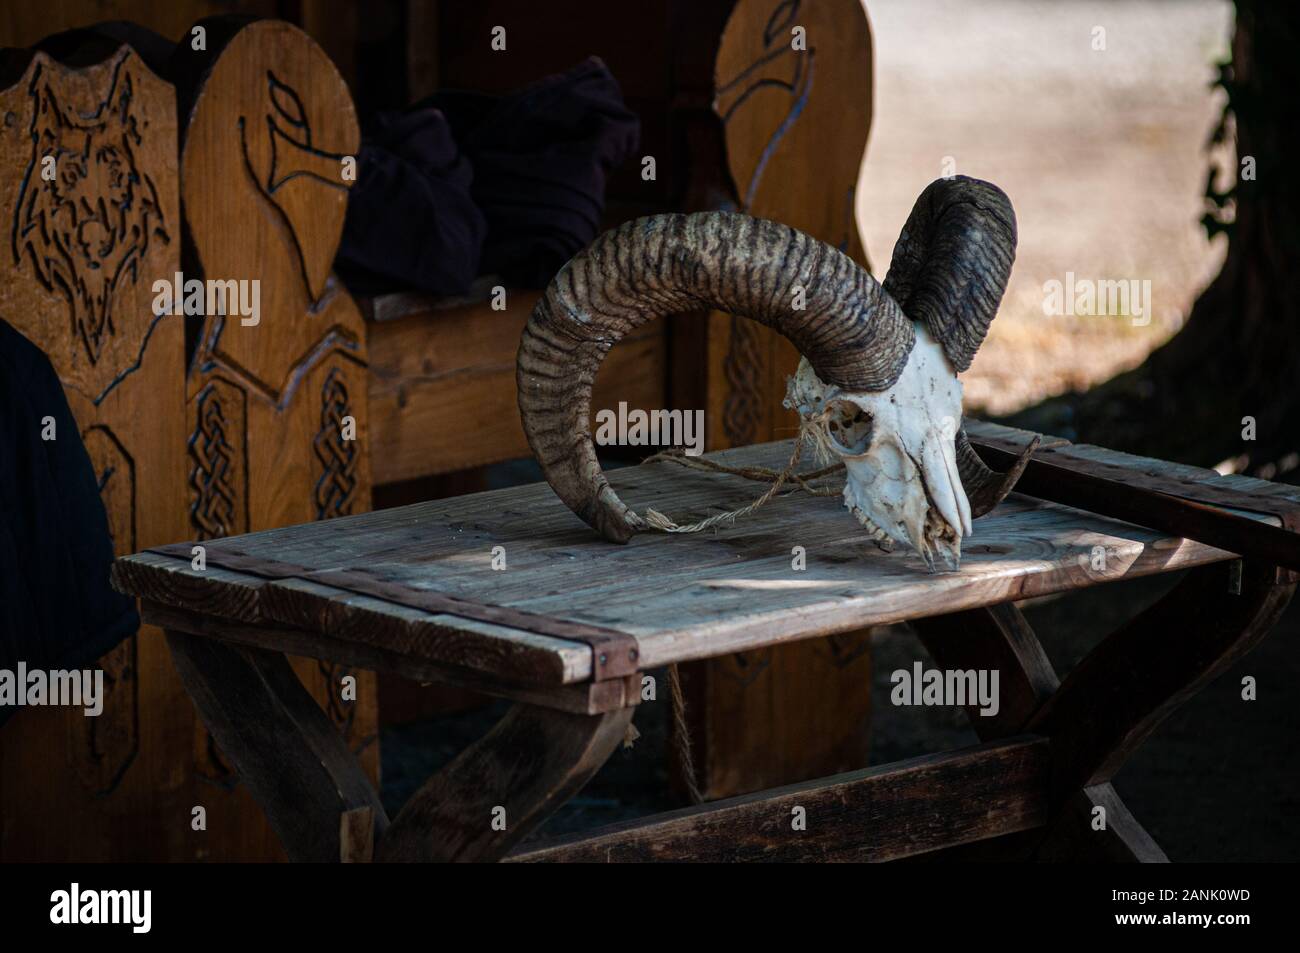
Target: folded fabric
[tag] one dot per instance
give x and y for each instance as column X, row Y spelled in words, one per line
column 411, row 222
column 57, row 609
column 463, row 184
column 541, row 158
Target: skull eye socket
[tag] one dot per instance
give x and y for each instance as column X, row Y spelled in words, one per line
column 850, row 428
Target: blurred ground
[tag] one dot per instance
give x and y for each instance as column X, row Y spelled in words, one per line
column 1102, row 153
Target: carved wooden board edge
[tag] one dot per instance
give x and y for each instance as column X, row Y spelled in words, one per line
column 277, row 394
column 18, row 64
column 189, row 73
column 423, row 638
column 586, row 698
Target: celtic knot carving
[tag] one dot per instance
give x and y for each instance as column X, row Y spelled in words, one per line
column 335, row 495
column 213, row 510
column 336, row 487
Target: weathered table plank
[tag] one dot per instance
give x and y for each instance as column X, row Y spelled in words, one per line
column 583, row 698
column 683, row 597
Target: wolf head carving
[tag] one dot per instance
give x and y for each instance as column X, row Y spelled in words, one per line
column 86, row 212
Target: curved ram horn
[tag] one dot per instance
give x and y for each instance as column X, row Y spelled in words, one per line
column 949, row 271
column 952, row 261
column 986, row 488
column 854, row 335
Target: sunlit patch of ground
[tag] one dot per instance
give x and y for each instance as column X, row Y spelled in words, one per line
column 1103, row 153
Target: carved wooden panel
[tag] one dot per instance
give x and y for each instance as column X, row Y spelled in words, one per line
column 88, row 196
column 795, row 123
column 277, row 406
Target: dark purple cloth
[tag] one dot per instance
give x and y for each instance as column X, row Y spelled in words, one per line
column 463, row 184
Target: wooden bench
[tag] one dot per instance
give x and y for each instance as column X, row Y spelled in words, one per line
column 735, row 117
column 568, row 625
column 242, row 430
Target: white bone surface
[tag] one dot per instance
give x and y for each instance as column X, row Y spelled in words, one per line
column 903, row 485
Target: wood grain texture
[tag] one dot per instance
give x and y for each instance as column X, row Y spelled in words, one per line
column 794, row 126
column 527, row 766
column 993, row 638
column 442, row 386
column 286, row 750
column 786, row 113
column 357, row 835
column 876, row 814
column 1114, row 698
column 586, row 698
column 82, row 251
column 1201, row 509
column 683, row 597
column 269, row 125
column 1091, row 723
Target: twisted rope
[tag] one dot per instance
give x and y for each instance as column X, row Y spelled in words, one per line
column 811, row 430
column 682, row 738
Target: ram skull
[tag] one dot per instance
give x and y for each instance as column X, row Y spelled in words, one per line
column 878, row 380
column 899, row 451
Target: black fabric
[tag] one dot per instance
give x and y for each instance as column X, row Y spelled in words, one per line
column 57, row 609
column 464, row 184
column 411, row 220
column 541, row 158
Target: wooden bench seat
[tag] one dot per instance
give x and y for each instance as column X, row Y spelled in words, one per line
column 442, row 382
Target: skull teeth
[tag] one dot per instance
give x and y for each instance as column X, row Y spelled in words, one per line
column 876, row 533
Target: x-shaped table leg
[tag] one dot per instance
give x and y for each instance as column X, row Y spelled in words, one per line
column 504, row 785
column 324, row 808
column 315, row 793
column 1114, row 698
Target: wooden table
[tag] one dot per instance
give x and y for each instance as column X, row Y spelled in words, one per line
column 570, row 624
